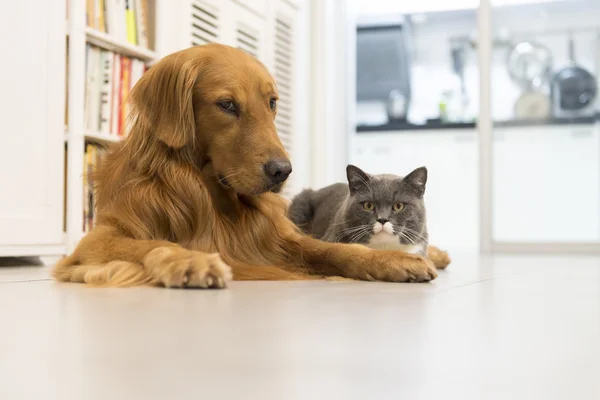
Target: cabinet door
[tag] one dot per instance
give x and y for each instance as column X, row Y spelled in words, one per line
column 205, row 21
column 256, row 6
column 451, row 160
column 248, row 31
column 281, row 58
column 32, row 102
column 546, row 184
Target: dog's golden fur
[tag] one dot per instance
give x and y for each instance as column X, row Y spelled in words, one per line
column 184, row 200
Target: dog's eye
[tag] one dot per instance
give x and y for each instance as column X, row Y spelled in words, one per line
column 398, row 207
column 273, row 103
column 227, row 105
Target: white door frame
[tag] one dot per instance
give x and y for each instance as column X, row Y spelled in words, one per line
column 332, row 84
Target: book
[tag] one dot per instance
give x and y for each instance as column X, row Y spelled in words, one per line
column 125, row 82
column 106, row 91
column 90, row 15
column 109, row 79
column 116, row 95
column 121, row 31
column 92, row 90
column 99, row 14
column 141, row 20
column 130, row 21
column 115, row 17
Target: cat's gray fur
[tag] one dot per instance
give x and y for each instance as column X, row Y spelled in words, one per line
column 336, row 213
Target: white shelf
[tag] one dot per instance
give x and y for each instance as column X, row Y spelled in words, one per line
column 98, row 137
column 106, row 41
column 103, row 137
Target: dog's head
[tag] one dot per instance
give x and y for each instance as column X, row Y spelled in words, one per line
column 219, row 103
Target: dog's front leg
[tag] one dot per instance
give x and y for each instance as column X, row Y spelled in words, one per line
column 359, row 262
column 105, row 257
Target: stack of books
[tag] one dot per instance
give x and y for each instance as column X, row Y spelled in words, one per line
column 109, row 79
column 125, row 20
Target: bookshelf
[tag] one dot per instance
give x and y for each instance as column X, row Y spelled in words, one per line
column 107, row 42
column 46, row 158
column 267, row 29
column 98, row 33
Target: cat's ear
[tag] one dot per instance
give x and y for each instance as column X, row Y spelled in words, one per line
column 358, row 180
column 417, row 180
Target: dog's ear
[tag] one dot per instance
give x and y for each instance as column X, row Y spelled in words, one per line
column 163, row 100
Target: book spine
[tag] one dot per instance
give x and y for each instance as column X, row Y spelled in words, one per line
column 88, row 86
column 92, row 91
column 121, row 33
column 89, row 11
column 125, row 82
column 100, row 16
column 130, row 21
column 106, row 91
column 95, row 91
column 116, row 95
column 141, row 22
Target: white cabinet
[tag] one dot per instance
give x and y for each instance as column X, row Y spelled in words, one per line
column 450, row 156
column 546, row 184
column 266, row 29
column 32, row 109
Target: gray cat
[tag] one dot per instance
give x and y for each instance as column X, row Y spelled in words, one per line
column 380, row 211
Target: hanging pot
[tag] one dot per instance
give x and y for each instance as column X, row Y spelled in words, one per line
column 573, row 87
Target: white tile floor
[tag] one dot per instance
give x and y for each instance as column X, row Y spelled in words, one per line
column 488, row 328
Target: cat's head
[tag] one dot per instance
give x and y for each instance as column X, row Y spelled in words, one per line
column 389, row 207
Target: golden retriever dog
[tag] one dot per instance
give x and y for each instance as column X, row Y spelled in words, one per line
column 190, row 199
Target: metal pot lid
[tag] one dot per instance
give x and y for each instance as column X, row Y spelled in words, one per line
column 529, row 64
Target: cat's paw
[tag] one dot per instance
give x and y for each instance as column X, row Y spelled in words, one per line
column 440, row 258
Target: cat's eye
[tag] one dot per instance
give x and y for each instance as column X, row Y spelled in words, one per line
column 368, row 206
column 398, row 207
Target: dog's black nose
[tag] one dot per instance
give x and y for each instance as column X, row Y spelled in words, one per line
column 278, row 170
column 382, row 221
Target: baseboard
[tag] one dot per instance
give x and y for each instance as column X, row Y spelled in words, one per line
column 33, row 250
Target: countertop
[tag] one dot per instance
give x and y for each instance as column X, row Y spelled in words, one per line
column 436, row 125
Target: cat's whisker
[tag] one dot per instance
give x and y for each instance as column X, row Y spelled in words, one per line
column 349, row 231
column 403, row 235
column 358, row 233
column 413, row 232
column 354, row 228
column 357, row 236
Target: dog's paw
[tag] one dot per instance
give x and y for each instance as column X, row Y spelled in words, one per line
column 339, row 279
column 394, row 266
column 177, row 268
column 440, row 258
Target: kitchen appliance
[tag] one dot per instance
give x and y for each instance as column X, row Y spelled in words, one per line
column 383, row 64
column 396, row 106
column 532, row 105
column 573, row 89
column 530, row 67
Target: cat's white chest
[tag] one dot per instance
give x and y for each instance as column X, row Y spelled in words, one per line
column 386, row 241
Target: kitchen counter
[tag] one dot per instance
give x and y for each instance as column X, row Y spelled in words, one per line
column 407, row 126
